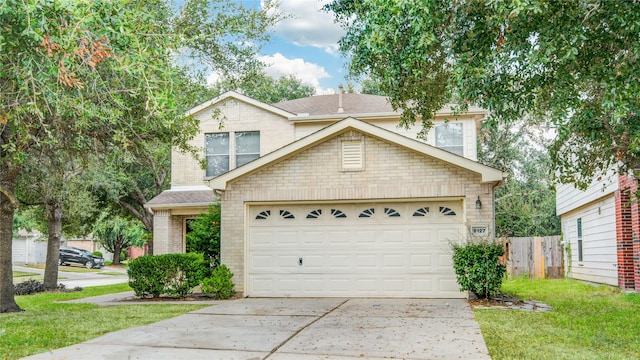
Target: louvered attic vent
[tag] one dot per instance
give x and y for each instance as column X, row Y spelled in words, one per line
column 352, row 155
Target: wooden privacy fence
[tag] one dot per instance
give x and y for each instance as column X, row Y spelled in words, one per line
column 537, row 257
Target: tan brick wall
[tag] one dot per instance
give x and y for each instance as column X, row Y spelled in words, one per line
column 391, row 172
column 167, row 233
column 275, row 132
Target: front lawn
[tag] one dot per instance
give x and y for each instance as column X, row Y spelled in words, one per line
column 587, row 322
column 47, row 324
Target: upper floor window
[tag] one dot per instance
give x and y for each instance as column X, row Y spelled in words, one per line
column 449, row 137
column 217, row 153
column 226, row 151
column 247, row 147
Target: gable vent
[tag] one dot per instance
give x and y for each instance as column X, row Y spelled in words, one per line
column 352, row 155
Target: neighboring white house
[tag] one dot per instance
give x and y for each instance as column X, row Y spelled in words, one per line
column 28, row 248
column 600, row 228
column 327, row 196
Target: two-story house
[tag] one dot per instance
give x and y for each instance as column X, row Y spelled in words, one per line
column 327, row 196
column 601, row 228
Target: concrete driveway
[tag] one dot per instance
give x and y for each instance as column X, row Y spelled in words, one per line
column 287, row 329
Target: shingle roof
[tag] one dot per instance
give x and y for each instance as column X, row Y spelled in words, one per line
column 328, row 104
column 182, row 197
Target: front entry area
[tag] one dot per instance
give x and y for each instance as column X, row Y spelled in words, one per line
column 378, row 249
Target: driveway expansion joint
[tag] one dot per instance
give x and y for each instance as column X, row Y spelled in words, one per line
column 273, row 351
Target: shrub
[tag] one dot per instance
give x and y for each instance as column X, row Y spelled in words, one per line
column 172, row 274
column 145, row 276
column 219, row 285
column 478, row 268
column 97, row 253
column 204, row 234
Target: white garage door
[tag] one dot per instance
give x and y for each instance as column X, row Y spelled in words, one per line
column 353, row 250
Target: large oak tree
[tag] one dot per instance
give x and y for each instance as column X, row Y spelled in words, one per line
column 90, row 75
column 574, row 63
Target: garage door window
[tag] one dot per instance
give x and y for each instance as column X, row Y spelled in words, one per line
column 446, row 211
column 314, row 214
column 391, row 212
column 338, row 213
column 263, row 215
column 286, row 214
column 367, row 213
column 423, row 211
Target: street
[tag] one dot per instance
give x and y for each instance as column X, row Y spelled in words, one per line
column 106, row 276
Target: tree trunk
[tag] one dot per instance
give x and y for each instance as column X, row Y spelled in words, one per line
column 148, row 224
column 117, row 249
column 54, row 221
column 8, row 177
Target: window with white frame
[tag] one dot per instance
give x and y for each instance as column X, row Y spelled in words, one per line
column 579, row 230
column 449, row 137
column 226, row 151
column 217, row 153
column 247, row 147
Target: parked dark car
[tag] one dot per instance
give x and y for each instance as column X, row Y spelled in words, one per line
column 80, row 256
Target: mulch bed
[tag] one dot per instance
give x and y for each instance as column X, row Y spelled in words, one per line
column 508, row 302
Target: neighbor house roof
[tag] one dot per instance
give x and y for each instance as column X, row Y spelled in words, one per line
column 488, row 174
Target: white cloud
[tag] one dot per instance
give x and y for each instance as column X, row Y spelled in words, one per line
column 278, row 65
column 309, row 73
column 309, row 25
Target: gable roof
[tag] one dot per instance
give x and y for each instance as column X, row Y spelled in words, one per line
column 239, row 97
column 329, row 104
column 488, row 174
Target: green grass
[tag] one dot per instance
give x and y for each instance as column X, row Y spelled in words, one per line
column 48, row 324
column 21, row 276
column 587, row 322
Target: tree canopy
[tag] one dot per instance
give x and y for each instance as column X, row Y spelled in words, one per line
column 265, row 88
column 572, row 63
column 84, row 77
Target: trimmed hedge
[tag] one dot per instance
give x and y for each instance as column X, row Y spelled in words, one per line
column 219, row 285
column 478, row 268
column 169, row 274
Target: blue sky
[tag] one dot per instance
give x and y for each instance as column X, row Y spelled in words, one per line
column 305, row 45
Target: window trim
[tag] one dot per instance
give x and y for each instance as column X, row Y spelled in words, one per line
column 207, row 154
column 450, row 148
column 579, row 232
column 352, row 154
column 235, row 147
column 232, row 152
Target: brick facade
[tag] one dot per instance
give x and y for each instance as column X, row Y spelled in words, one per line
column 628, row 234
column 234, row 115
column 391, row 172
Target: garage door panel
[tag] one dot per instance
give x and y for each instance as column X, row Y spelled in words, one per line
column 380, row 255
column 392, row 237
column 394, row 261
column 420, row 261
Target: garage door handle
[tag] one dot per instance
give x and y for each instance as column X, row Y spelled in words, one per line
column 300, row 261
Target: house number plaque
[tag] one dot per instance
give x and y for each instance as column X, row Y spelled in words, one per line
column 479, row 230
